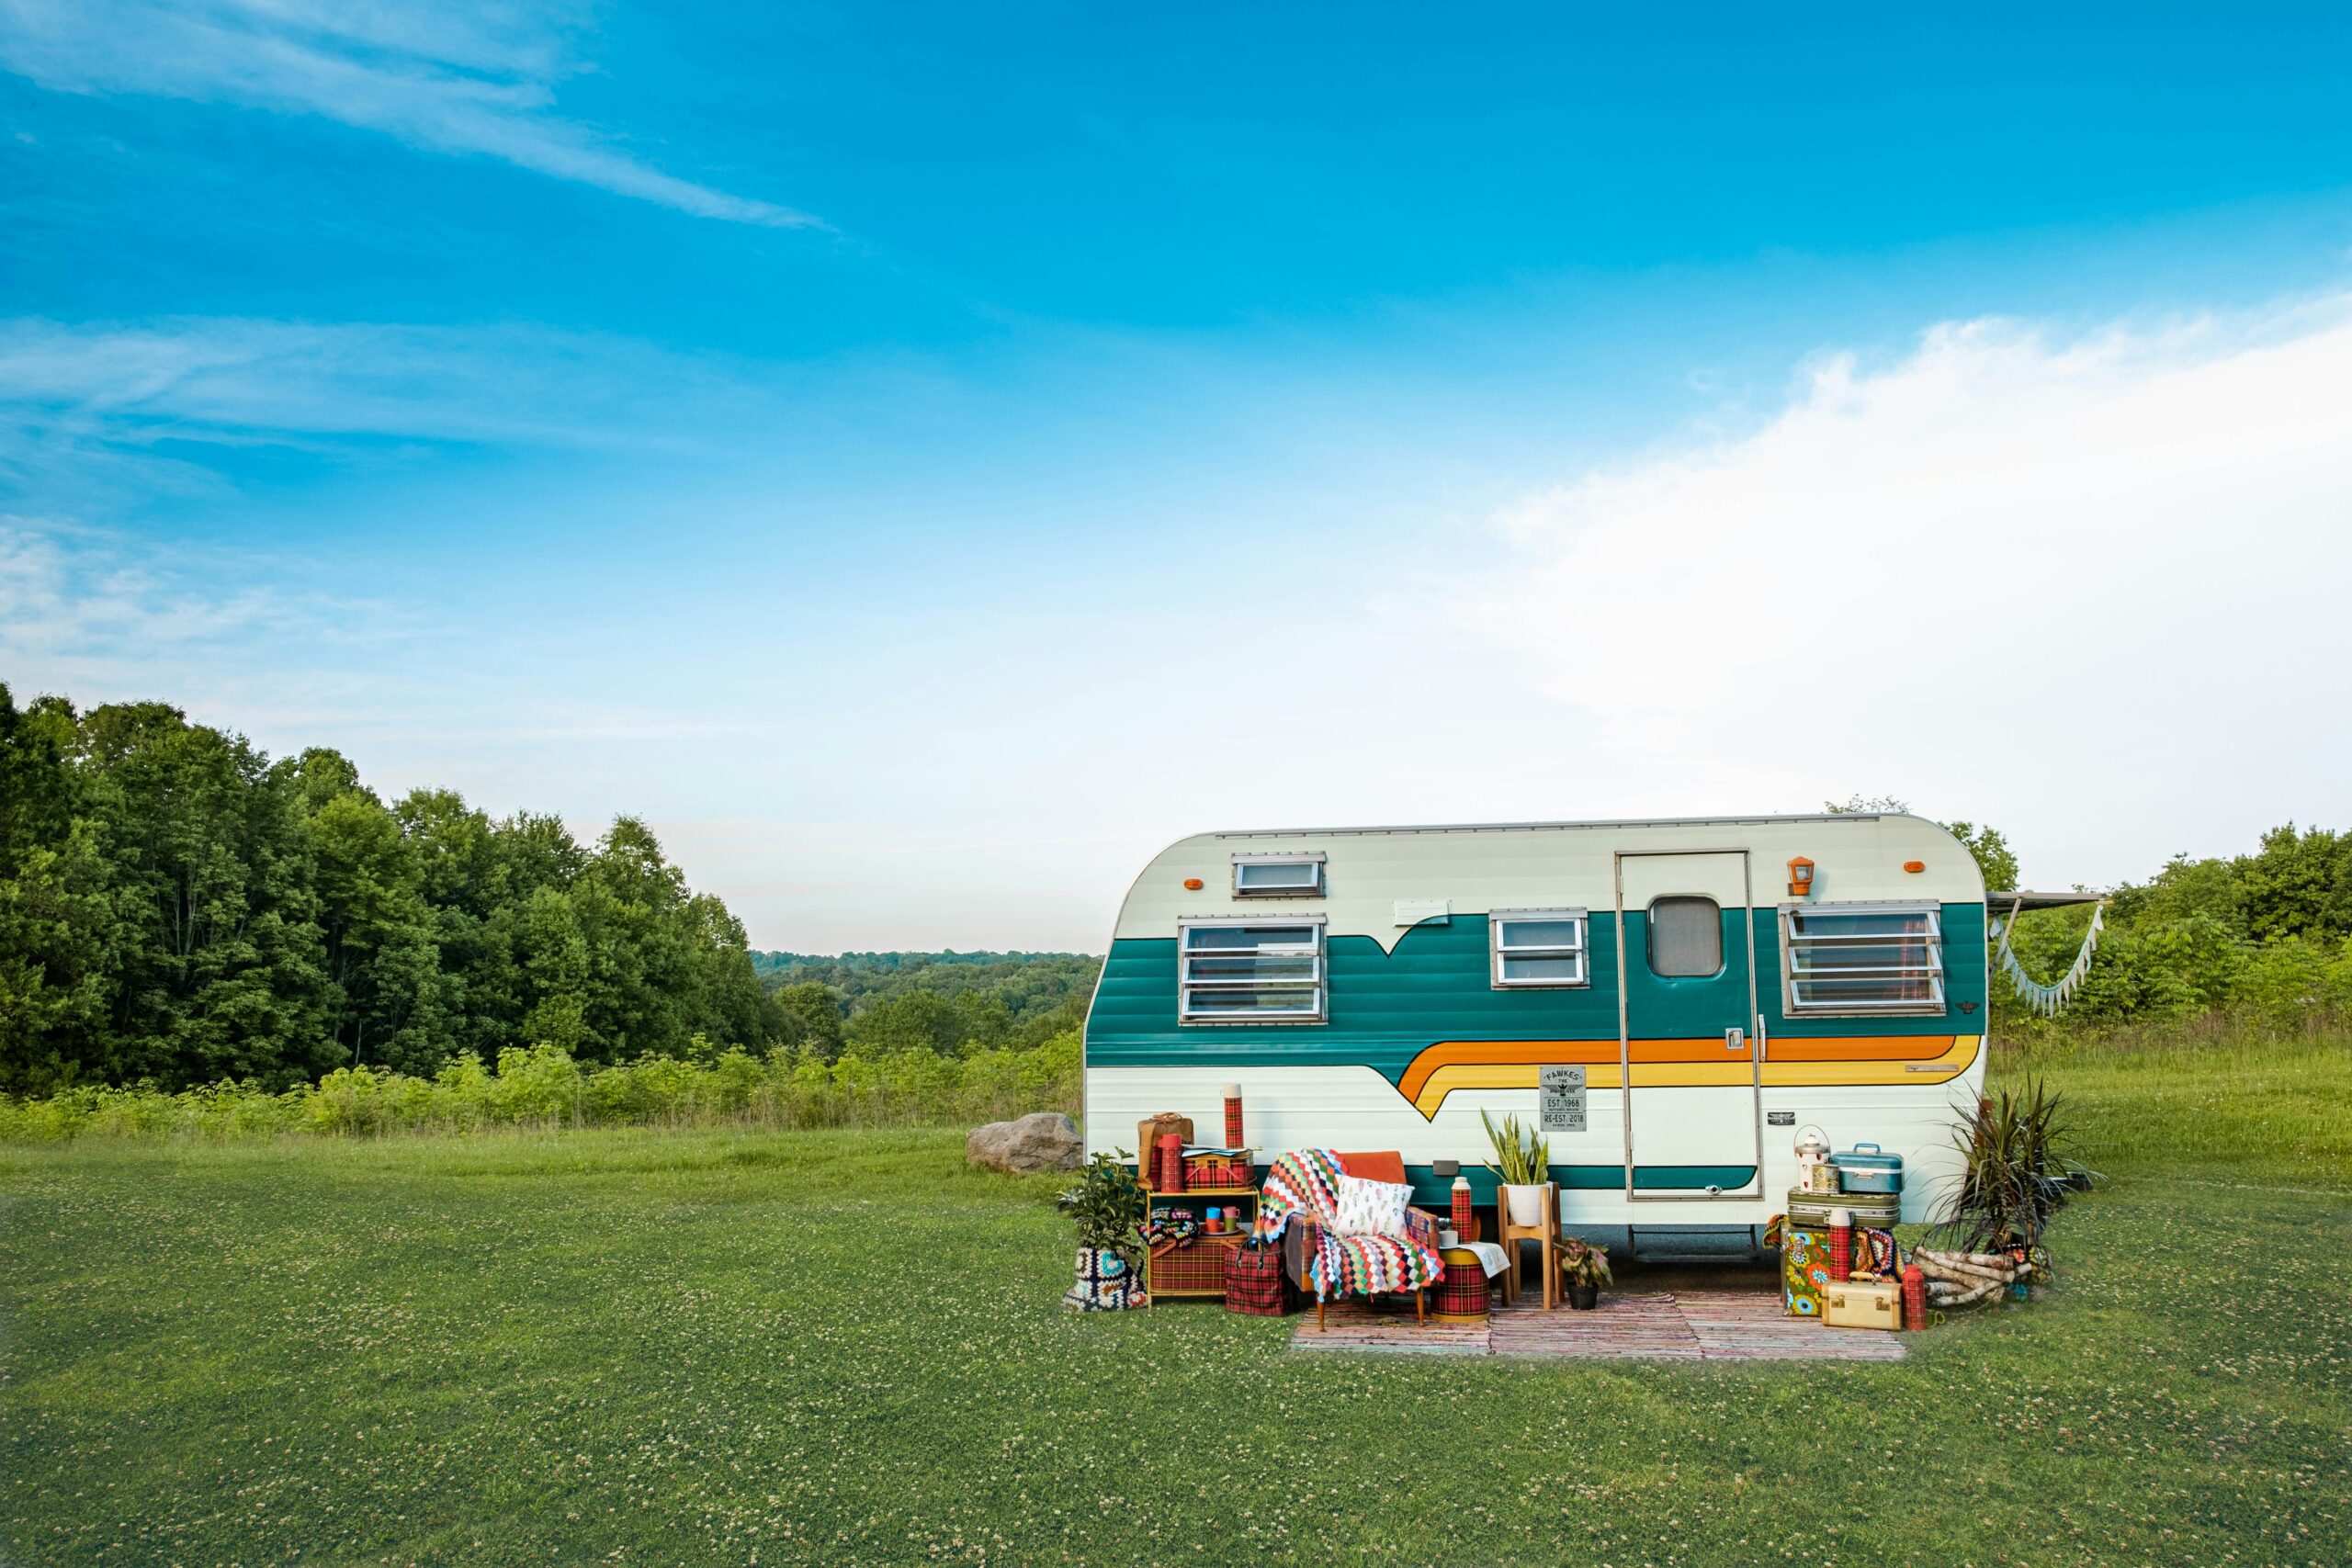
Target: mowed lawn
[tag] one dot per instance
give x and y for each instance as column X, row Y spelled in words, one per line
column 844, row 1348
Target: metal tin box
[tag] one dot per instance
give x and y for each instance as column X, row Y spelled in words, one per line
column 1866, row 1167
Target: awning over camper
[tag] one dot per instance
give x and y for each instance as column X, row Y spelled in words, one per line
column 2004, row 902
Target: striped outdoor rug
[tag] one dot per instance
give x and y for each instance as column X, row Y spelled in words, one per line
column 1636, row 1325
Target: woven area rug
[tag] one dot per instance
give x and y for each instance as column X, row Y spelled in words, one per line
column 1744, row 1325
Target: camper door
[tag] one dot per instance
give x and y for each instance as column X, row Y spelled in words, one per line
column 1686, row 979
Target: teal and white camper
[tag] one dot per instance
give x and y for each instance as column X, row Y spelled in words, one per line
column 1670, row 1000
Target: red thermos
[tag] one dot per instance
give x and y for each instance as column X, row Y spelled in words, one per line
column 1915, row 1297
column 1461, row 1207
column 1171, row 1162
column 1842, row 1243
column 1233, row 1116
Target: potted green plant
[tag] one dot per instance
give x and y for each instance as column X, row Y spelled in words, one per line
column 1109, row 1207
column 1522, row 1165
column 1584, row 1268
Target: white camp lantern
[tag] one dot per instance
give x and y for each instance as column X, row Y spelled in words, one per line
column 1813, row 1161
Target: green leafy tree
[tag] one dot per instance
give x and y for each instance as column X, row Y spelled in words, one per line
column 391, row 998
column 816, row 1012
column 1992, row 853
column 216, row 950
column 2298, row 884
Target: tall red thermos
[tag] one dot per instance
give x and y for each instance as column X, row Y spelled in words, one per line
column 1461, row 1207
column 1842, row 1243
column 1915, row 1297
column 1171, row 1162
column 1233, row 1116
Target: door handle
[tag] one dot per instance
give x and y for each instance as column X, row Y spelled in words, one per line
column 1734, row 1040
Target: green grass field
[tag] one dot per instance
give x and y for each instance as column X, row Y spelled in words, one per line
column 844, row 1348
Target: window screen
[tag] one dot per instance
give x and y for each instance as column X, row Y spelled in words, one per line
column 1863, row 959
column 1265, row 876
column 1686, row 937
column 1538, row 947
column 1237, row 971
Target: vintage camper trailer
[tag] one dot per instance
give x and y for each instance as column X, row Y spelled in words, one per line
column 1672, row 1001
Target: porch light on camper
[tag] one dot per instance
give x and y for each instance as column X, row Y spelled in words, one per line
column 1800, row 877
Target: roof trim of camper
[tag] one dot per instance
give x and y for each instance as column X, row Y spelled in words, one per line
column 1554, row 827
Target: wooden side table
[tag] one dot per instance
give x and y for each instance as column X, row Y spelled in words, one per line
column 1544, row 1231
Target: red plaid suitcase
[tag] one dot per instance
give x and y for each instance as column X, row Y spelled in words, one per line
column 1254, row 1282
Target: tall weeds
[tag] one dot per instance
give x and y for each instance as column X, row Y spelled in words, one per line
column 544, row 1087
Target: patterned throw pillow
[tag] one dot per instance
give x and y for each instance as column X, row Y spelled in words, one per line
column 1370, row 1208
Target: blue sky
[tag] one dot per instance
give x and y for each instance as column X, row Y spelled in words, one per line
column 924, row 458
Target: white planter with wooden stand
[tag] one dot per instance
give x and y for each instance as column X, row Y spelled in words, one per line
column 1526, row 1202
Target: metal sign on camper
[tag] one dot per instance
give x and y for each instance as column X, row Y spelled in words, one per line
column 1559, row 1098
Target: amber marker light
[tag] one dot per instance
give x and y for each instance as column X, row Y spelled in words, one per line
column 1800, row 877
column 1191, row 885
column 1915, row 866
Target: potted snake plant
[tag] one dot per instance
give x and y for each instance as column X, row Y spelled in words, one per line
column 1522, row 1165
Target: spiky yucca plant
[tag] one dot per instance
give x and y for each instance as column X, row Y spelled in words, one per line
column 2015, row 1170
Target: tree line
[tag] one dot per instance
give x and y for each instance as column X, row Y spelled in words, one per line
column 177, row 906
column 948, row 1003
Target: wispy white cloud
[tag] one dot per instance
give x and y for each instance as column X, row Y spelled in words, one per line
column 98, row 419
column 227, row 379
column 62, row 595
column 454, row 78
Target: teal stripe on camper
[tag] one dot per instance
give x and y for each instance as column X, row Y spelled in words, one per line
column 1433, row 1191
column 1386, row 1008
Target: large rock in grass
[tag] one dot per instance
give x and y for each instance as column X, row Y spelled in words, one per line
column 1045, row 1141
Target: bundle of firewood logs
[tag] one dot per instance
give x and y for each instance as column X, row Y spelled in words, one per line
column 1956, row 1279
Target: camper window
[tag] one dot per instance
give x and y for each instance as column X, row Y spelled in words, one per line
column 1537, row 947
column 1863, row 959
column 1277, row 876
column 1686, row 937
column 1250, row 972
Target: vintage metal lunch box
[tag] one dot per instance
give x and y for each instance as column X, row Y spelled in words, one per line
column 1852, row 1304
column 1866, row 1167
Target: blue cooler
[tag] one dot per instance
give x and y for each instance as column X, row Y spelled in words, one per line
column 1866, row 1167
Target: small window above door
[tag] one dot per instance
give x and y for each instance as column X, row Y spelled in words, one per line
column 1686, row 937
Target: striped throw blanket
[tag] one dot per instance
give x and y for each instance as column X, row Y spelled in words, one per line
column 1306, row 1182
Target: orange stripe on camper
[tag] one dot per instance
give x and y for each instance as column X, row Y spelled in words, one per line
column 1670, row 1064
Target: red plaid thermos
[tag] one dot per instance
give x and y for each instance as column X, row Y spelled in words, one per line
column 1171, row 1162
column 1461, row 1207
column 1842, row 1243
column 1915, row 1297
column 1233, row 1116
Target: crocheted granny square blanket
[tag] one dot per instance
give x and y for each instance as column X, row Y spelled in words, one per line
column 1306, row 1182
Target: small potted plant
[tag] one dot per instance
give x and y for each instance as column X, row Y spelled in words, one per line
column 1523, row 1164
column 1584, row 1268
column 1109, row 1207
